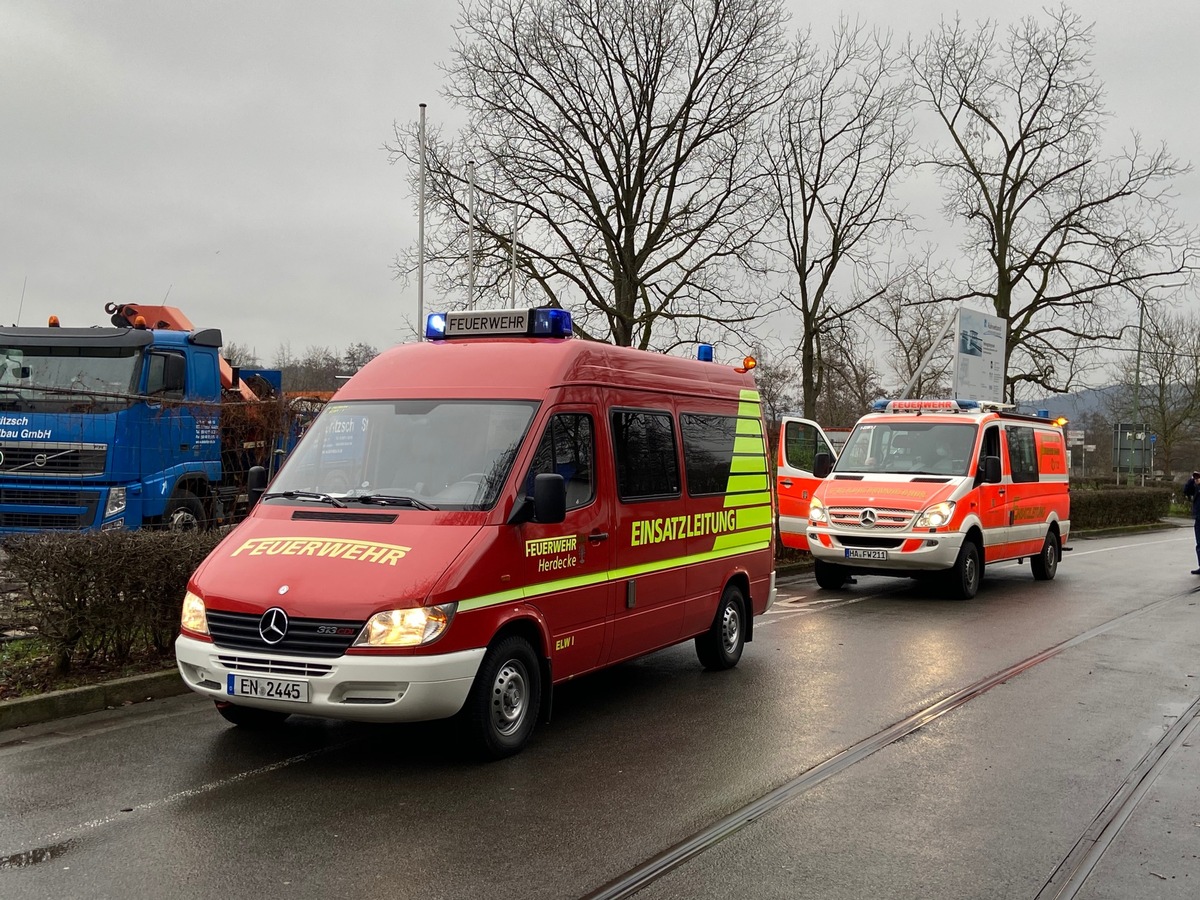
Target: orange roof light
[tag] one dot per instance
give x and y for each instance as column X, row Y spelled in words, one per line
column 748, row 363
column 140, row 322
column 53, row 323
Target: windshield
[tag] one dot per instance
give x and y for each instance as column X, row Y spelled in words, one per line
column 910, row 447
column 442, row 454
column 55, row 378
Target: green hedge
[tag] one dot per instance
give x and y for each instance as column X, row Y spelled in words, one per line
column 104, row 596
column 1115, row 507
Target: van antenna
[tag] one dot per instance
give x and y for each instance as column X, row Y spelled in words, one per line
column 21, row 305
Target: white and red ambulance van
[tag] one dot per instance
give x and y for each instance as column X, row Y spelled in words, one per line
column 944, row 488
column 480, row 516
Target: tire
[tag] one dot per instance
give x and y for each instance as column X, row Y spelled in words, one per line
column 830, row 576
column 962, row 581
column 251, row 717
column 1045, row 564
column 721, row 646
column 184, row 512
column 505, row 699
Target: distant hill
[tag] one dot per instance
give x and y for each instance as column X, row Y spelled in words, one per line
column 1075, row 405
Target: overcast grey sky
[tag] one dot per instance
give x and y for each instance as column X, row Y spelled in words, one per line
column 229, row 153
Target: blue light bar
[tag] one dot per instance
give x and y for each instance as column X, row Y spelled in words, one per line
column 704, row 353
column 499, row 323
column 551, row 322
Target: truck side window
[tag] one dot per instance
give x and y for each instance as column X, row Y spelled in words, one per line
column 165, row 377
column 567, row 449
column 647, row 463
column 1022, row 455
column 801, row 444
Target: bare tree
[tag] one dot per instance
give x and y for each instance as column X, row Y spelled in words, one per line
column 620, row 138
column 1060, row 236
column 1160, row 379
column 852, row 379
column 242, row 355
column 837, row 147
column 911, row 315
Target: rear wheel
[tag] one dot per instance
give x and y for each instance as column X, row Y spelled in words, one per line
column 185, row 512
column 964, row 577
column 721, row 646
column 503, row 705
column 1045, row 564
column 830, row 576
column 251, row 717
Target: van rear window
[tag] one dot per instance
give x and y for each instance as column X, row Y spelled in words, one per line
column 647, row 464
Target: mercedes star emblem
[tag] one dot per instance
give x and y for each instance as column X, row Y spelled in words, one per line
column 867, row 517
column 273, row 625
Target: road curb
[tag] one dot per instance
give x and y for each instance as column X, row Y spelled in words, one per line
column 89, row 698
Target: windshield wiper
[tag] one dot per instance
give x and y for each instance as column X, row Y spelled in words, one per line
column 305, row 495
column 392, row 499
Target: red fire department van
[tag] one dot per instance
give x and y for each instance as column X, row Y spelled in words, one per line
column 941, row 487
column 478, row 517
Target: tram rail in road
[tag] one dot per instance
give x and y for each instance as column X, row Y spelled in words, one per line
column 1068, row 877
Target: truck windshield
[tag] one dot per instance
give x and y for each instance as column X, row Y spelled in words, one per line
column 909, row 447
column 442, row 454
column 99, row 379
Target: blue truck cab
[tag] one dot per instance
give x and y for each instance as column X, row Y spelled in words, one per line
column 119, row 427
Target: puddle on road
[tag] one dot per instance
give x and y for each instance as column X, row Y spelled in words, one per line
column 33, row 857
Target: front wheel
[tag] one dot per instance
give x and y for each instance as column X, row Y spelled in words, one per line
column 721, row 646
column 503, row 705
column 185, row 512
column 830, row 576
column 967, row 572
column 1045, row 564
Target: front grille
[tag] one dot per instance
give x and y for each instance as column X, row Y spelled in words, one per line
column 890, row 519
column 239, row 631
column 274, row 666
column 318, row 515
column 35, row 459
column 53, row 518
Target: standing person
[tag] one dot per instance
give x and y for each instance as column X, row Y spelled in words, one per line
column 1191, row 490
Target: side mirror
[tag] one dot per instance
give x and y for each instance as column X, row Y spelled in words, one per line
column 256, row 484
column 549, row 498
column 822, row 465
column 991, row 470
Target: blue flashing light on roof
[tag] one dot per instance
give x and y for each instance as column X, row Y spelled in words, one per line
column 551, row 322
column 469, row 323
column 704, row 353
column 886, row 405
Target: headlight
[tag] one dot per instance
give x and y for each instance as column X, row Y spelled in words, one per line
column 194, row 618
column 116, row 502
column 816, row 511
column 406, row 627
column 935, row 516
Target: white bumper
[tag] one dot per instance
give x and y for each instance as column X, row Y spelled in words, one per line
column 360, row 688
column 931, row 552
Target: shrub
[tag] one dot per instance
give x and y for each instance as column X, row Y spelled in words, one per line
column 1113, row 507
column 100, row 596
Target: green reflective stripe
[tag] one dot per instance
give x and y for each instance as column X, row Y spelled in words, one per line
column 738, row 540
column 753, row 465
column 735, row 551
column 749, row 395
column 749, row 426
column 753, row 516
column 746, row 446
column 740, row 484
column 490, row 600
column 757, row 498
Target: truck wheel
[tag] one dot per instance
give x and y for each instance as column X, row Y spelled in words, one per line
column 505, row 699
column 964, row 576
column 250, row 717
column 830, row 576
column 185, row 512
column 721, row 646
column 1045, row 564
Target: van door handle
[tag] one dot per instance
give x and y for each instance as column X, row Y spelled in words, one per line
column 786, row 482
column 1000, row 492
column 598, row 536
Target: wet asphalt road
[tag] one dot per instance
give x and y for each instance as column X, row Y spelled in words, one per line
column 163, row 799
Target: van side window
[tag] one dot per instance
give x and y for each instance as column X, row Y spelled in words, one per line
column 647, row 464
column 710, row 454
column 165, row 377
column 801, row 444
column 991, row 443
column 1022, row 455
column 567, row 449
